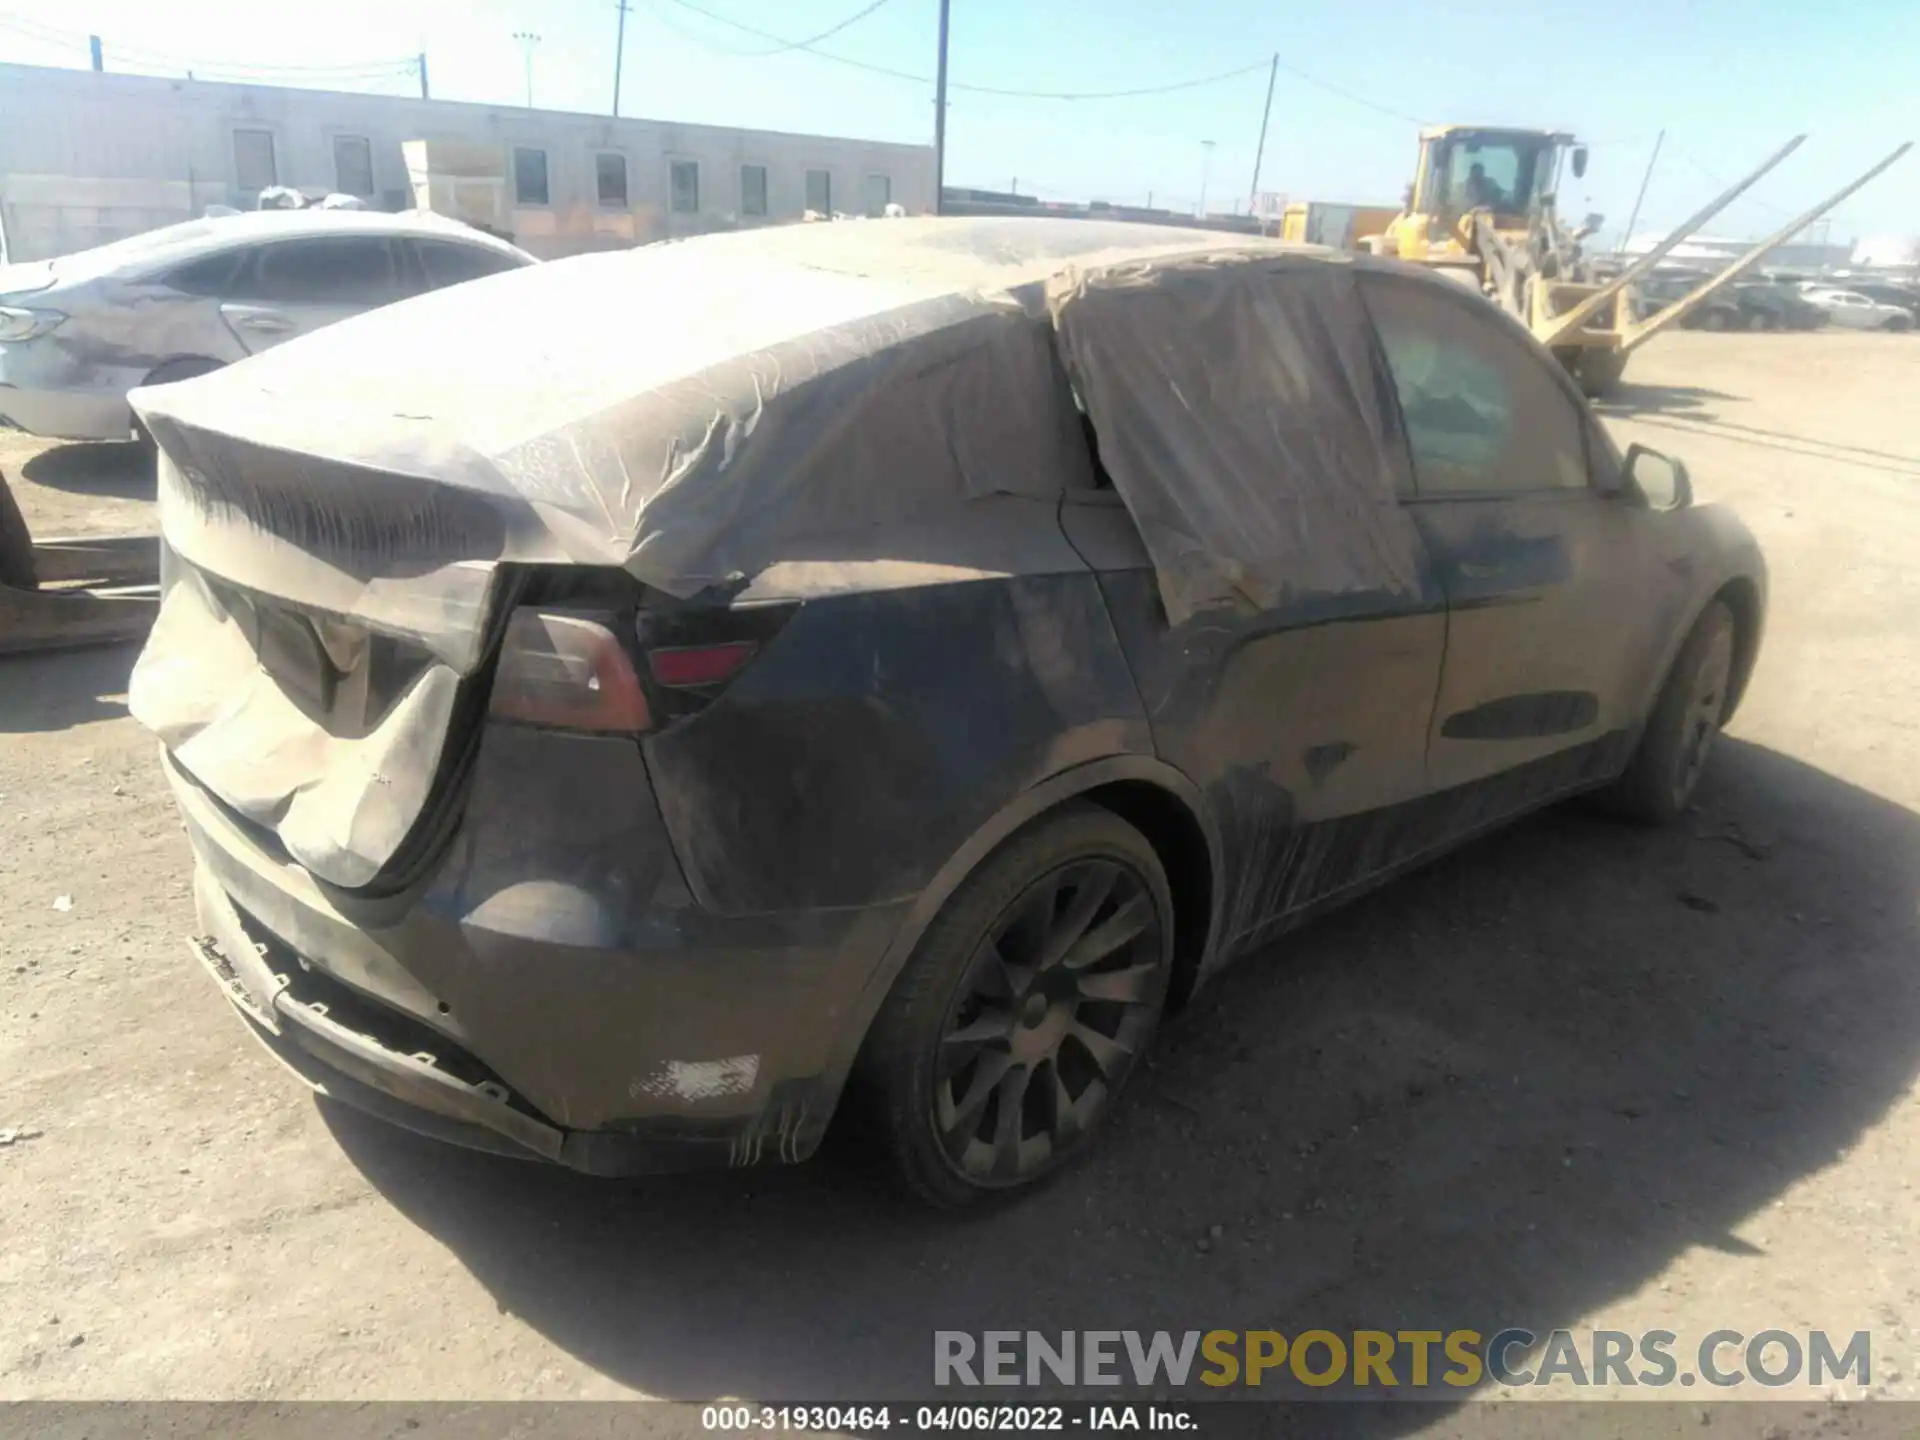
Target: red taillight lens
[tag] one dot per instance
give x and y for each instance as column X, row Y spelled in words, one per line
column 689, row 666
column 568, row 672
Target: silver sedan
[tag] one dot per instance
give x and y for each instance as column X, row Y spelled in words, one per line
column 78, row 332
column 1858, row 312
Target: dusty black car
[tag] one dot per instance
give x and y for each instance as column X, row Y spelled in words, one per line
column 628, row 711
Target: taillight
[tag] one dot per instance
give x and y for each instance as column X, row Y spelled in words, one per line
column 688, row 667
column 568, row 672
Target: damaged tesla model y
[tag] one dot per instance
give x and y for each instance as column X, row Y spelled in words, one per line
column 880, row 669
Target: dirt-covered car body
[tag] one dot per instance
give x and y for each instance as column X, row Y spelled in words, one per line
column 577, row 739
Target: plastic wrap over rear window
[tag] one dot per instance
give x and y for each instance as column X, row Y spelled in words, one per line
column 1241, row 413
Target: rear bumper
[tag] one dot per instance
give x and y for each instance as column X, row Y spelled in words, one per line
column 551, row 991
column 410, row 1091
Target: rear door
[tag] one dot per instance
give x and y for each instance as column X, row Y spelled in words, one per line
column 293, row 287
column 1552, row 587
column 1302, row 716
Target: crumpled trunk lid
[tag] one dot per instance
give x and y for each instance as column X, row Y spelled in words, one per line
column 317, row 629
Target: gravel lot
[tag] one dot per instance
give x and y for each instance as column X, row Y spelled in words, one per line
column 1578, row 1074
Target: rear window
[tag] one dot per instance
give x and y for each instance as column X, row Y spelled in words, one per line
column 447, row 264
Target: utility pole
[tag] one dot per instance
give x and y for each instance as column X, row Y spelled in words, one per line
column 940, row 120
column 619, row 53
column 425, row 94
column 1260, row 150
column 1646, row 179
column 527, row 41
column 93, row 47
column 1206, row 169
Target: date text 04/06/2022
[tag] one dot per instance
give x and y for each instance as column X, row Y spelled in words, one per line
column 977, row 1419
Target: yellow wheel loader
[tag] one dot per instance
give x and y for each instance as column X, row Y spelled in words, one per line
column 1482, row 208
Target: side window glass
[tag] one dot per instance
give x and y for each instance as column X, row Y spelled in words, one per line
column 342, row 270
column 209, row 275
column 446, row 265
column 1482, row 411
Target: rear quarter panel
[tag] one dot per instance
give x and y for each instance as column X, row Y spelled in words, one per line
column 881, row 730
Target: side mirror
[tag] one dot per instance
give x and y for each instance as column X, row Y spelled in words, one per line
column 1579, row 162
column 1659, row 480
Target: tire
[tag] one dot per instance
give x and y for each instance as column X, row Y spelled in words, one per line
column 1659, row 781
column 16, row 544
column 185, row 368
column 998, row 1057
column 1714, row 320
column 1598, row 371
column 1898, row 324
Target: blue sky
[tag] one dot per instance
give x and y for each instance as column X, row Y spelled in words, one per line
column 1728, row 82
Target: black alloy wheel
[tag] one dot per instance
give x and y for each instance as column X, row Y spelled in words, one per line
column 1047, row 1022
column 1008, row 1037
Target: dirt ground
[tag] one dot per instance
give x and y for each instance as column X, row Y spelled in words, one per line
column 1578, row 1074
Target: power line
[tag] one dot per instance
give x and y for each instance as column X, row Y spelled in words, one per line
column 1749, row 198
column 140, row 55
column 807, row 46
column 829, row 32
column 1346, row 94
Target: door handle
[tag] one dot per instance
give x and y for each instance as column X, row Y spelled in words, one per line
column 1481, row 572
column 265, row 324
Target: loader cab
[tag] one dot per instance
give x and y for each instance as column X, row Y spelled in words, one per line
column 1464, row 168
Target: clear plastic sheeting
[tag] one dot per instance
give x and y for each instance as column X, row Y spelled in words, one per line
column 1238, row 409
column 693, row 412
column 298, row 726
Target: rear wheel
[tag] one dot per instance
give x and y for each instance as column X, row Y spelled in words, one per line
column 1008, row 1037
column 16, row 544
column 1659, row 782
column 1714, row 320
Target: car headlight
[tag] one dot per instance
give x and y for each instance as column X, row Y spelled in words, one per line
column 19, row 324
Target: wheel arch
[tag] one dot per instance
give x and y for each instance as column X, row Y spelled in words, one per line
column 183, row 367
column 1741, row 595
column 1158, row 800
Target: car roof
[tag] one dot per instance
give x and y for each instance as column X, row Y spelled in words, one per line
column 190, row 239
column 960, row 255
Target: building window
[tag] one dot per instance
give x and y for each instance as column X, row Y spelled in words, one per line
column 529, row 176
column 610, row 171
column 879, row 194
column 820, row 192
column 353, row 165
column 753, row 189
column 253, row 160
column 685, row 196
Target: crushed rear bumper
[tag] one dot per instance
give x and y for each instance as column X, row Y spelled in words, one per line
column 549, row 990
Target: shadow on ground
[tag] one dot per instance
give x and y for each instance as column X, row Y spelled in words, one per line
column 1635, row 398
column 56, row 690
column 125, row 472
column 1507, row 1090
